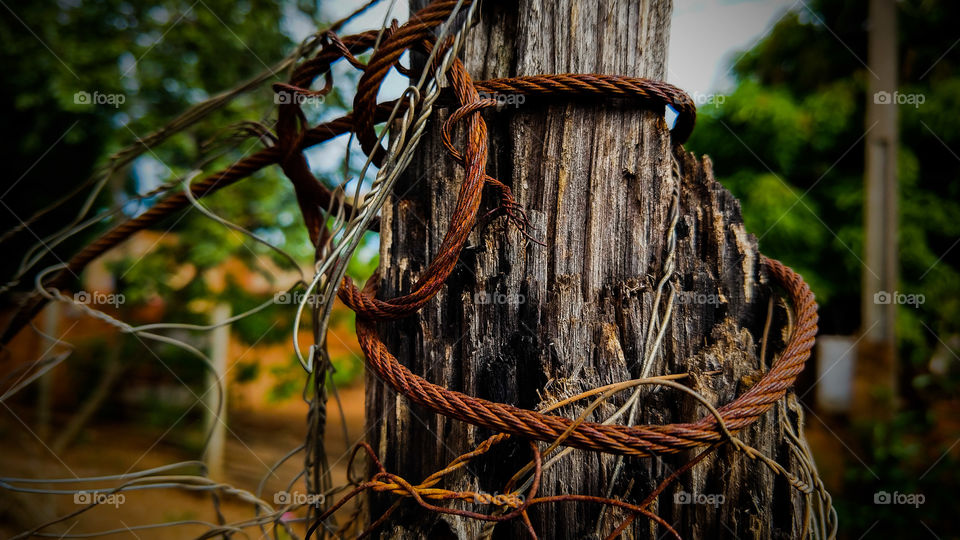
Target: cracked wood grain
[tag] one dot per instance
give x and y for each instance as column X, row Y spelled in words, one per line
column 596, row 182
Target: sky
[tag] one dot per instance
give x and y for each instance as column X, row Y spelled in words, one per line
column 707, row 35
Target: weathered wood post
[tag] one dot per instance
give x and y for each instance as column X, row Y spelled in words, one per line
column 525, row 324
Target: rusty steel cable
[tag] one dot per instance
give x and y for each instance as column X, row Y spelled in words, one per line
column 640, row 440
column 403, row 134
column 318, row 204
column 367, row 113
column 293, row 136
column 632, row 440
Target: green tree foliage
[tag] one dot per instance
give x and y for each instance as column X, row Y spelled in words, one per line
column 159, row 58
column 148, row 62
column 789, row 143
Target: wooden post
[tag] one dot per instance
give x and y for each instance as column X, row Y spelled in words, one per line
column 51, row 327
column 525, row 325
column 876, row 382
column 219, row 344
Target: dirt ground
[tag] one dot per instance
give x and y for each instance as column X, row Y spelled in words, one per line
column 257, row 440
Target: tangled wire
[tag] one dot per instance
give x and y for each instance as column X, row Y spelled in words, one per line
column 317, row 203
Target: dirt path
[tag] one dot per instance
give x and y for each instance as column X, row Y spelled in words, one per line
column 257, row 441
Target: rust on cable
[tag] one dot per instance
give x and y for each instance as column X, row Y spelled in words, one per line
column 315, row 201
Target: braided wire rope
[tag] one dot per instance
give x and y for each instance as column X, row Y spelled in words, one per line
column 634, row 440
column 318, row 204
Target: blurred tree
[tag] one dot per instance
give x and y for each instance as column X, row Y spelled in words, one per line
column 788, row 141
column 86, row 79
column 159, row 58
